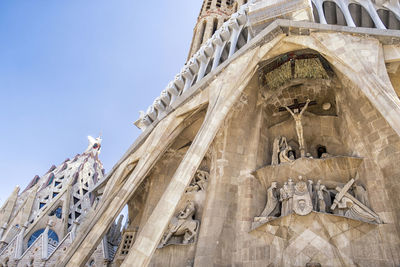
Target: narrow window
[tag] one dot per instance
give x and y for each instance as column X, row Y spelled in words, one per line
column 215, row 26
column 208, row 4
column 203, row 29
column 218, row 3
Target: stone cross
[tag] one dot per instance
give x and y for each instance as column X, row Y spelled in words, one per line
column 297, row 113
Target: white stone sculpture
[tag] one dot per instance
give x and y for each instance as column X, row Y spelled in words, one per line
column 302, row 198
column 276, row 151
column 183, row 225
column 361, row 194
column 272, row 207
column 349, row 206
column 284, row 199
column 199, row 182
column 302, row 204
column 297, row 116
column 281, row 151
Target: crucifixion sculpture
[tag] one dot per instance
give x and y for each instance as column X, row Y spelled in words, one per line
column 297, row 113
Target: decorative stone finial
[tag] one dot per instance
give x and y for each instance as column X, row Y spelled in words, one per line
column 94, row 144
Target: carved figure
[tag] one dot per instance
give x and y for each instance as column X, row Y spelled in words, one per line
column 272, row 207
column 297, row 116
column 315, row 195
column 285, row 149
column 184, row 224
column 354, row 211
column 361, row 194
column 199, row 182
column 281, row 151
column 310, row 188
column 290, row 195
column 351, row 207
column 284, row 199
column 324, row 199
column 275, row 151
column 302, row 204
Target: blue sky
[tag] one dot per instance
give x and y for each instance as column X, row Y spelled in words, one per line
column 74, row 68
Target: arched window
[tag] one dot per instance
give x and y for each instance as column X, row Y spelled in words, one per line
column 333, row 14
column 361, row 16
column 52, row 236
column 218, row 4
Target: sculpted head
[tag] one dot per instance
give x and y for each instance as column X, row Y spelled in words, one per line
column 274, row 185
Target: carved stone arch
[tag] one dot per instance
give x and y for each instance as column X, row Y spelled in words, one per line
column 361, row 16
column 333, row 13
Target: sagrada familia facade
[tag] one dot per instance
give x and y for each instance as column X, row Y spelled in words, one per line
column 276, row 145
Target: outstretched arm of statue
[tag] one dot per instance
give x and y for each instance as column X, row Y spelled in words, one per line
column 305, row 107
column 290, row 111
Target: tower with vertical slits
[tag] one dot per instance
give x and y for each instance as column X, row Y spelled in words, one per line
column 213, row 14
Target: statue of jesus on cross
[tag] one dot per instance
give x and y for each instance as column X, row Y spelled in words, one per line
column 297, row 114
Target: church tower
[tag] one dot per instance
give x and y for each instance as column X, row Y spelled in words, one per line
column 213, row 14
column 39, row 222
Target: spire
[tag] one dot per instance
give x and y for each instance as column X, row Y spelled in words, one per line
column 213, row 14
column 94, row 145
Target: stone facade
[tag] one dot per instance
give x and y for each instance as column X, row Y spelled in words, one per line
column 40, row 223
column 277, row 145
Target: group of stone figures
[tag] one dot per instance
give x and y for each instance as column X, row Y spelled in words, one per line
column 282, row 152
column 183, row 227
column 303, row 197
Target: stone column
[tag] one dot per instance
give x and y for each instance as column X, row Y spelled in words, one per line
column 73, row 230
column 2, row 230
column 20, row 242
column 45, row 240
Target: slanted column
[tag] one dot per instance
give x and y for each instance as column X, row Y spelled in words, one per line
column 344, row 6
column 45, row 240
column 201, row 56
column 374, row 15
column 236, row 28
column 73, row 230
column 320, row 9
column 219, row 45
column 20, row 242
column 2, row 230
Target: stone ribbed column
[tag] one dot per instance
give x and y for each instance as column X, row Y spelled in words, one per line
column 20, row 242
column 2, row 230
column 45, row 241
